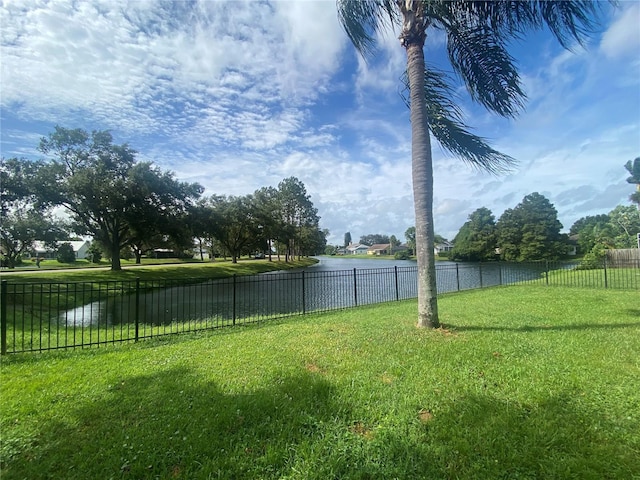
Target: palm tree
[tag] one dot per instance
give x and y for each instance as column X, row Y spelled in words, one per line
column 477, row 35
column 634, row 171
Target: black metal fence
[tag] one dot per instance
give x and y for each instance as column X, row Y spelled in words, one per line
column 47, row 316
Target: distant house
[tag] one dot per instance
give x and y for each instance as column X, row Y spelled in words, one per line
column 443, row 247
column 80, row 248
column 573, row 244
column 379, row 249
column 357, row 249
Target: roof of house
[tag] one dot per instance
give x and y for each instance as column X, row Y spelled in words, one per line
column 357, row 246
column 39, row 246
column 380, row 246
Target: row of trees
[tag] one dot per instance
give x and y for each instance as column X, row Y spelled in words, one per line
column 531, row 231
column 595, row 234
column 127, row 205
column 281, row 220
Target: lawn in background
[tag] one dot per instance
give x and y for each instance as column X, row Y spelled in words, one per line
column 522, row 382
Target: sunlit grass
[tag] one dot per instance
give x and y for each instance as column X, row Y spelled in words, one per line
column 522, row 382
column 184, row 272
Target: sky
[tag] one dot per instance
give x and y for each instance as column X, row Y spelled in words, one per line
column 237, row 95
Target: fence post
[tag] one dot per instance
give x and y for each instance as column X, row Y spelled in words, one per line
column 546, row 271
column 355, row 288
column 137, row 311
column 304, row 309
column 234, row 298
column 480, row 270
column 606, row 283
column 395, row 269
column 3, row 316
column 457, row 277
column 500, row 273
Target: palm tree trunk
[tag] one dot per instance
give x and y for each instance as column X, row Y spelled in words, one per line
column 422, row 175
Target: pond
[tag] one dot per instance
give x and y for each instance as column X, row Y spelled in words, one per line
column 333, row 283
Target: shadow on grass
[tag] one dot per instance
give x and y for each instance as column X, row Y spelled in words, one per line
column 175, row 425
column 537, row 328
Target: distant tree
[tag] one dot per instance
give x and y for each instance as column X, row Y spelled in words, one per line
column 22, row 219
column 202, row 220
column 531, row 231
column 107, row 194
column 234, row 224
column 410, row 236
column 592, row 230
column 624, row 221
column 476, row 240
column 299, row 218
column 439, row 239
column 347, row 239
column 268, row 212
column 330, row 250
column 633, row 167
column 313, row 241
column 19, row 230
column 394, row 241
column 374, row 238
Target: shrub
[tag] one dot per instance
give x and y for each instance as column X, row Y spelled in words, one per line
column 66, row 253
column 94, row 253
column 402, row 255
column 593, row 259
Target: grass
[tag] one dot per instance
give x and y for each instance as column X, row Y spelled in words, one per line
column 523, row 382
column 178, row 272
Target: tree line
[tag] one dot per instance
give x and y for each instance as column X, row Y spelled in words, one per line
column 131, row 206
column 531, row 231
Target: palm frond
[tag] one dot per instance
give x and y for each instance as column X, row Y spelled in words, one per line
column 446, row 123
column 568, row 20
column 480, row 58
column 633, row 167
column 361, row 19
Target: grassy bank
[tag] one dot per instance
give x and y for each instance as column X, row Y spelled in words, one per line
column 179, row 272
column 524, row 382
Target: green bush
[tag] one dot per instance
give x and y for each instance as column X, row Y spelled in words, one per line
column 66, row 253
column 94, row 253
column 402, row 255
column 593, row 259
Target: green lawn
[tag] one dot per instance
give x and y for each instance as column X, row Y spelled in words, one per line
column 523, row 382
column 190, row 272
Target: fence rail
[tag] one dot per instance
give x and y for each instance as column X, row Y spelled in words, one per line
column 48, row 315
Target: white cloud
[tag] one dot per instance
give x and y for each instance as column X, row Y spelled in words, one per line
column 622, row 39
column 239, row 95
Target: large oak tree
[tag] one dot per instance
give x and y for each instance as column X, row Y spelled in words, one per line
column 106, row 192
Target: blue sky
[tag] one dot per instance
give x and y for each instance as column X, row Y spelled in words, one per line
column 239, row 95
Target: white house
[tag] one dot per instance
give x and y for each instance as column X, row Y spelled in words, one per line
column 379, row 249
column 357, row 249
column 443, row 247
column 80, row 248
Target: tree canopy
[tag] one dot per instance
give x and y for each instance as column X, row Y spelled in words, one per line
column 106, row 192
column 531, row 231
column 23, row 220
column 374, row 238
column 476, row 240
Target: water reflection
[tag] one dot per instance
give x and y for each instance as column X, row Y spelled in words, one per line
column 333, row 283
